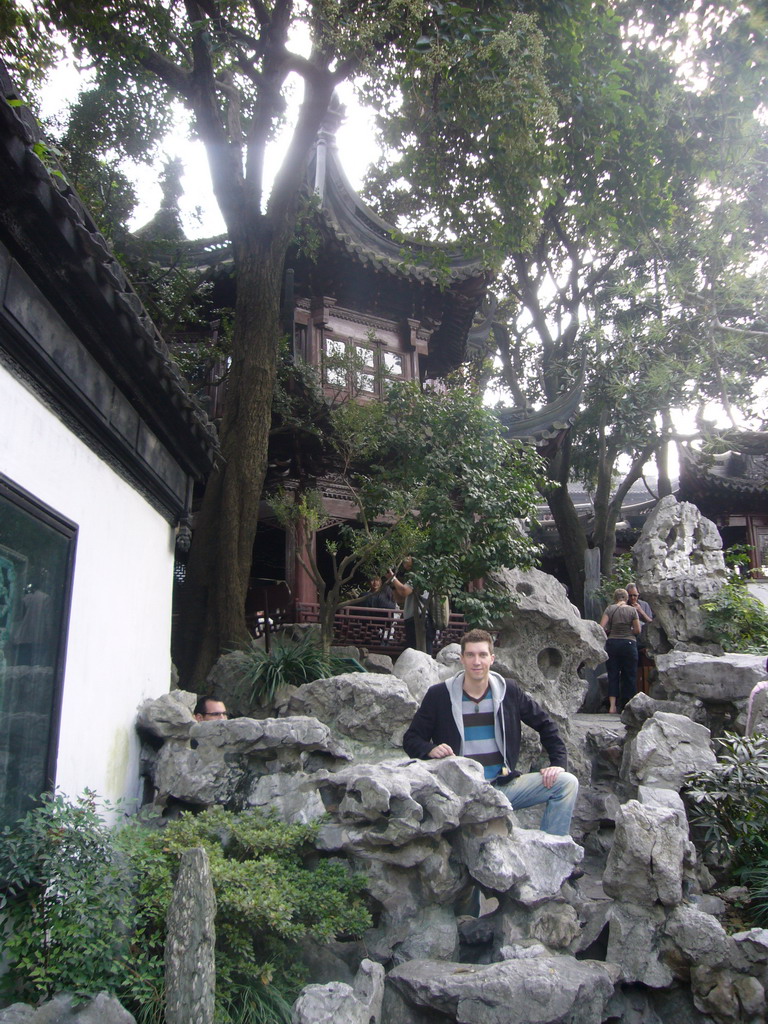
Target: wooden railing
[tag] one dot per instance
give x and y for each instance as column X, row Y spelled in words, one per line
column 380, row 630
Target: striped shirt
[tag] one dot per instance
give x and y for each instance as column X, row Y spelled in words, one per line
column 479, row 737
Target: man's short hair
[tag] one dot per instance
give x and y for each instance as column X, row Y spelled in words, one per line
column 632, row 586
column 477, row 636
column 620, row 594
column 200, row 707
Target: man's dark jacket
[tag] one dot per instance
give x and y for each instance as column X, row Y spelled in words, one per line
column 438, row 720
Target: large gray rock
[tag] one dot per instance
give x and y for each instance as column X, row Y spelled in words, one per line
column 529, row 864
column 679, row 563
column 730, row 998
column 635, row 943
column 535, row 990
column 365, row 706
column 695, row 938
column 190, row 967
column 292, row 798
column 385, row 805
column 67, row 1009
column 729, row 677
column 666, row 748
column 418, row 671
column 544, row 641
column 649, row 857
column 669, row 799
column 338, row 1003
column 168, row 716
column 223, row 758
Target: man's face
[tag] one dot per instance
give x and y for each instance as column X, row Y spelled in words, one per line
column 477, row 660
column 215, row 711
column 633, row 595
column 375, row 583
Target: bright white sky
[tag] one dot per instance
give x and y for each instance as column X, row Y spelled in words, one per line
column 199, row 210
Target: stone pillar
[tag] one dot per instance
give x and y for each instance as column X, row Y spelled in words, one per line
column 190, row 968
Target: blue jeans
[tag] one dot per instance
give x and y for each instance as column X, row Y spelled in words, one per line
column 527, row 790
column 622, row 669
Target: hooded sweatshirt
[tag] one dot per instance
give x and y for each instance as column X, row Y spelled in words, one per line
column 439, row 720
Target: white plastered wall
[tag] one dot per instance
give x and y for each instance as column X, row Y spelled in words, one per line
column 118, row 648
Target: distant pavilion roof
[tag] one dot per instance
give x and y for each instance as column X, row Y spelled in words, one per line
column 737, row 479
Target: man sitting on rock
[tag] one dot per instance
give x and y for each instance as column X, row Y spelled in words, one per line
column 477, row 714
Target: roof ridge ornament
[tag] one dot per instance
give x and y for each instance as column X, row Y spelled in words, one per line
column 326, row 137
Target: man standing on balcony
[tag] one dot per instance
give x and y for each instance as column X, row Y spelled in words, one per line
column 477, row 714
column 403, row 591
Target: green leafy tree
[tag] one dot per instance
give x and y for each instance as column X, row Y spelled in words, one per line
column 625, row 232
column 231, row 65
column 432, row 476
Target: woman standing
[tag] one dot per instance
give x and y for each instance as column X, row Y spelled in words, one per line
column 622, row 624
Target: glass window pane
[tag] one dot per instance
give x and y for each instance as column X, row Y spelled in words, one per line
column 393, row 363
column 335, row 363
column 364, row 357
column 35, row 576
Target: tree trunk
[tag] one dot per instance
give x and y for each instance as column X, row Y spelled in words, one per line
column 214, row 592
column 570, row 531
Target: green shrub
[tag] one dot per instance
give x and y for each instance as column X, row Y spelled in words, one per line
column 738, row 621
column 289, row 662
column 70, row 910
column 729, row 803
column 87, row 906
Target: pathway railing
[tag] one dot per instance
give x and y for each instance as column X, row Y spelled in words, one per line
column 381, row 630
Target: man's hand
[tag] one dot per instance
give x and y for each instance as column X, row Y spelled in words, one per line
column 548, row 775
column 444, row 750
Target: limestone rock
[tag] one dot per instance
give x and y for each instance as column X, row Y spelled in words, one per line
column 66, row 1009
column 648, row 858
column 679, row 563
column 292, row 798
column 395, row 802
column 190, row 970
column 364, row 706
column 706, row 678
column 433, row 935
column 418, row 671
column 650, row 796
column 338, row 1003
column 695, row 938
column 530, row 864
column 553, row 924
column 222, row 757
column 448, row 661
column 666, row 748
column 169, row 715
column 635, row 943
column 379, row 663
column 537, row 990
column 728, row 997
column 543, row 641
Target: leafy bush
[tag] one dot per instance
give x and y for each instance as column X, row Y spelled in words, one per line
column 622, row 575
column 87, row 906
column 69, row 905
column 289, row 662
column 730, row 803
column 738, row 621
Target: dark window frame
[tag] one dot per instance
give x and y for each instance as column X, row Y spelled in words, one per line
column 32, row 506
